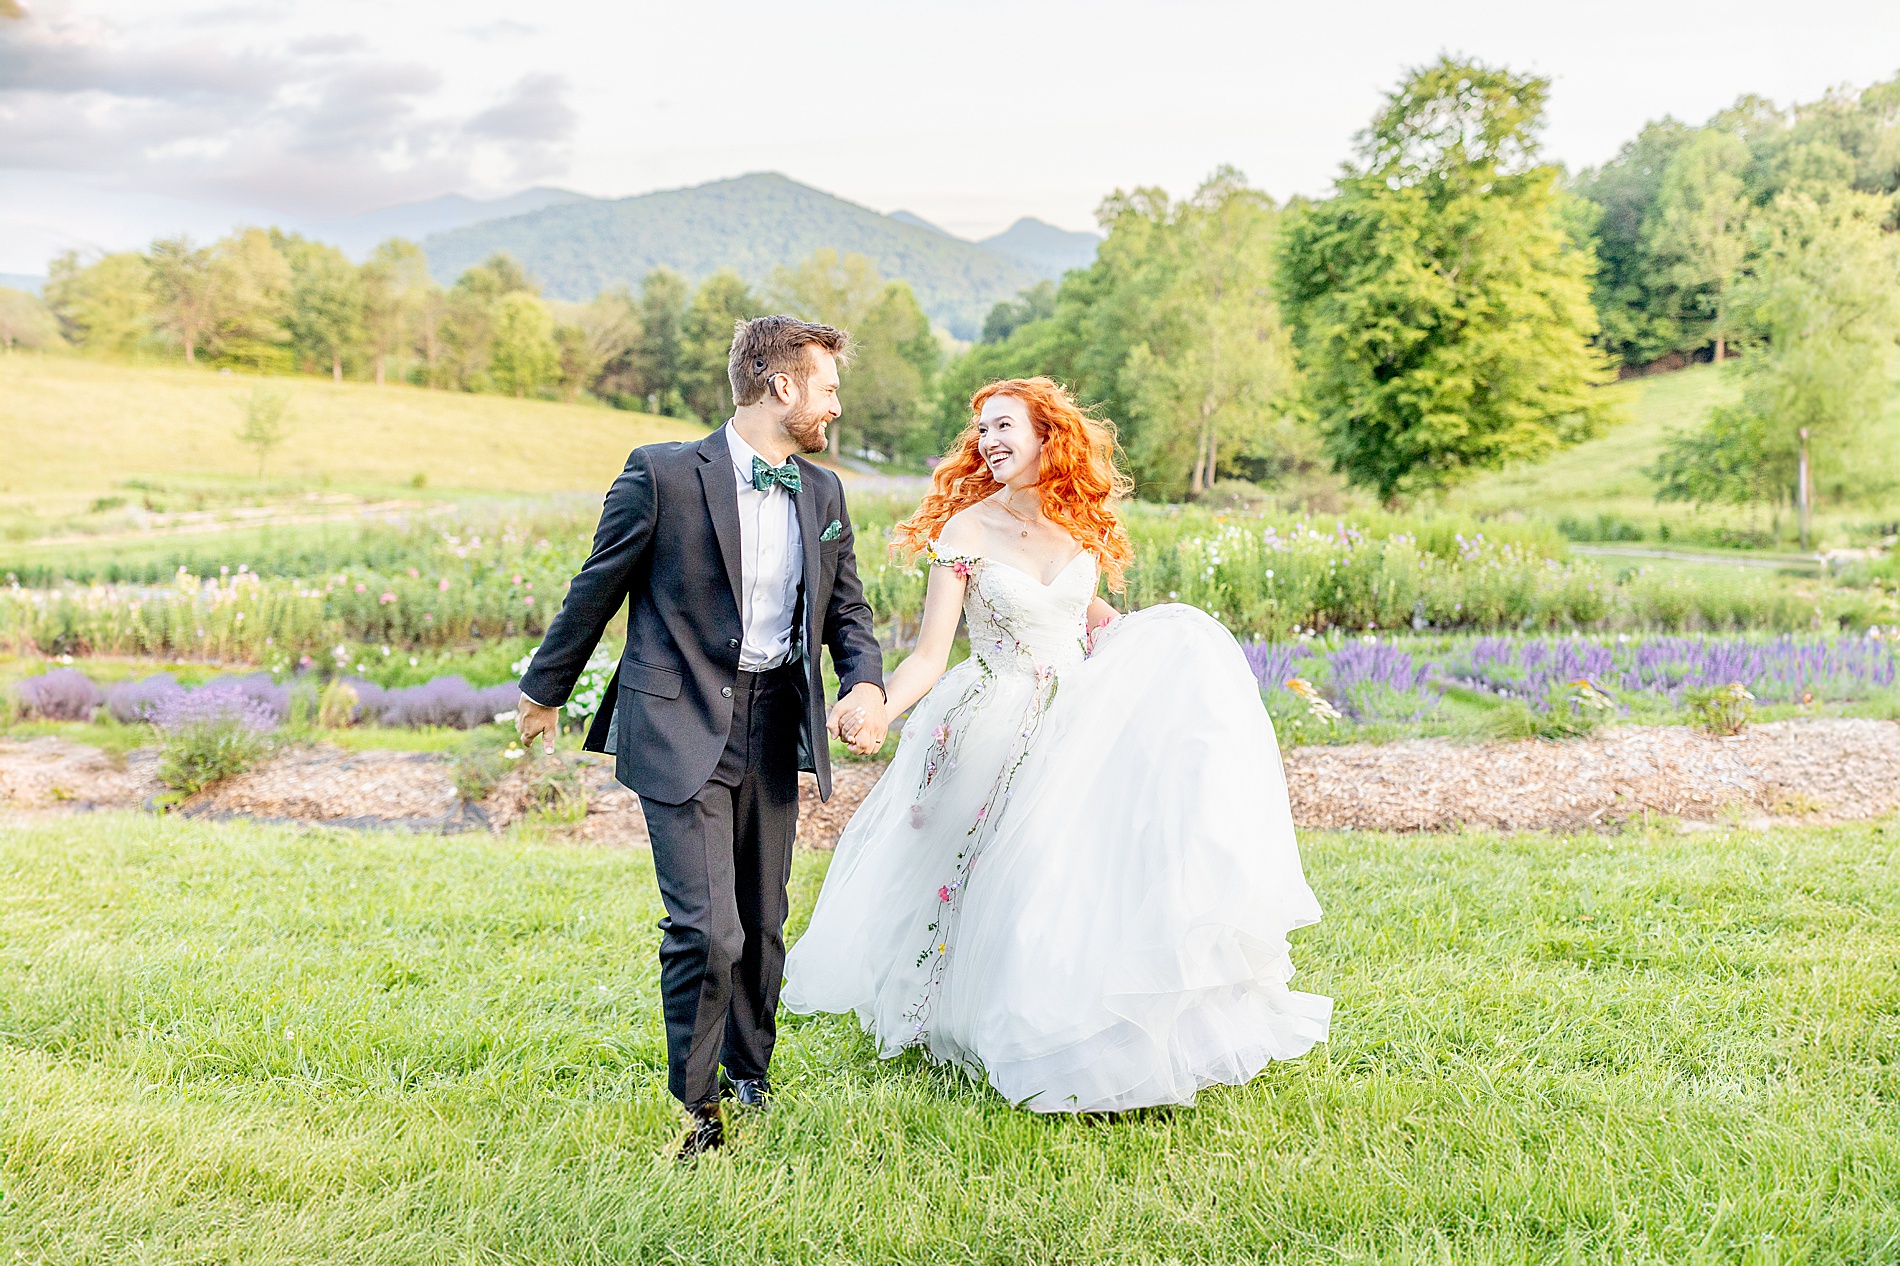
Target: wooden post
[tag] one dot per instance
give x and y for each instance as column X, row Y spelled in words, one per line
column 1803, row 492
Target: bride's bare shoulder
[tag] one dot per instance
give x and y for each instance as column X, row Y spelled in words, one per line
column 964, row 533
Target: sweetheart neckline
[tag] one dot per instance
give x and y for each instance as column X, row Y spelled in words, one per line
column 1045, row 584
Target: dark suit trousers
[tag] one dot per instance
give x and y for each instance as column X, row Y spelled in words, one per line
column 723, row 859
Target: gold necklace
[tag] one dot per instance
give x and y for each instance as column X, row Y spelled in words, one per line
column 1011, row 512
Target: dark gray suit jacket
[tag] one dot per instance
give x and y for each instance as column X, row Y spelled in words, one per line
column 668, row 542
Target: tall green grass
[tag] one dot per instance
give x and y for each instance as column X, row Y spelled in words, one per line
column 499, row 573
column 240, row 1043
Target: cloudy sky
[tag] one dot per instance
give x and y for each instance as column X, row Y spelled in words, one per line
column 122, row 119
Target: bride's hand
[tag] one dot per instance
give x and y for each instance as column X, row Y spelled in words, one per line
column 1100, row 616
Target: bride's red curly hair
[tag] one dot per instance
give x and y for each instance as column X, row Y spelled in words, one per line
column 1079, row 482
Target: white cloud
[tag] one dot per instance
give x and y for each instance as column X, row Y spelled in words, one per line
column 320, row 123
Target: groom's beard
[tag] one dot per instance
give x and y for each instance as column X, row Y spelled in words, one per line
column 808, row 430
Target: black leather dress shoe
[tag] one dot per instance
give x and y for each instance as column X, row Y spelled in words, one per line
column 753, row 1092
column 705, row 1131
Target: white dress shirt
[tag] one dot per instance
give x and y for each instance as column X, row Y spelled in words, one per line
column 773, row 563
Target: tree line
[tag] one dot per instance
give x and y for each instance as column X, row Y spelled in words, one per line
column 1450, row 306
column 1453, row 303
column 276, row 303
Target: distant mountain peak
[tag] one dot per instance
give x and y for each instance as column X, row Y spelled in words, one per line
column 1044, row 247
column 907, row 217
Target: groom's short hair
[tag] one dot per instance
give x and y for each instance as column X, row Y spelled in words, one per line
column 770, row 345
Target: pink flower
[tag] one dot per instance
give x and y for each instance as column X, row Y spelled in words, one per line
column 943, row 893
column 528, row 601
column 387, row 598
column 960, row 567
column 413, row 573
column 443, row 585
column 982, row 813
column 360, row 586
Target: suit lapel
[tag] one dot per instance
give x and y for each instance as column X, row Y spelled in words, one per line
column 722, row 504
column 808, row 529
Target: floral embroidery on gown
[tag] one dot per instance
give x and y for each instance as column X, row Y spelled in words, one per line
column 1077, row 877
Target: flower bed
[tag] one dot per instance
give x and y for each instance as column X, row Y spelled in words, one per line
column 1407, row 679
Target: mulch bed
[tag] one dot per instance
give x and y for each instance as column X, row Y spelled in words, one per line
column 1809, row 771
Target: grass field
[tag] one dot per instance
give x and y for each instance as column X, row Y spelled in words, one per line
column 236, row 1043
column 1604, row 478
column 75, row 431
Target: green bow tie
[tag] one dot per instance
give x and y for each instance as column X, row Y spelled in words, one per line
column 763, row 476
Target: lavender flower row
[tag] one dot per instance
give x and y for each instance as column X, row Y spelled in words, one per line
column 1382, row 680
column 255, row 700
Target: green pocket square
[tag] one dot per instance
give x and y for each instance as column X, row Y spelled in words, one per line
column 833, row 532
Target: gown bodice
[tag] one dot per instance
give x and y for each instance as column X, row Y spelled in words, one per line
column 1017, row 624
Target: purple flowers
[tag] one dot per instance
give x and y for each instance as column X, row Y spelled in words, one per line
column 213, row 704
column 1386, row 681
column 133, row 701
column 445, row 701
column 65, row 694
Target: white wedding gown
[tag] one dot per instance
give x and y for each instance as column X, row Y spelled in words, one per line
column 1078, row 874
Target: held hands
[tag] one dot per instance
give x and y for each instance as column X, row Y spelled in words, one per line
column 532, row 719
column 859, row 720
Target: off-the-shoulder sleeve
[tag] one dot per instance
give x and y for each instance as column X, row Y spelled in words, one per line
column 961, row 564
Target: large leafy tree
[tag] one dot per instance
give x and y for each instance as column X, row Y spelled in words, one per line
column 185, row 289
column 1820, row 312
column 524, row 357
column 1698, row 235
column 396, row 293
column 720, row 303
column 254, row 285
column 105, row 306
column 1440, row 304
column 326, row 303
column 1208, row 378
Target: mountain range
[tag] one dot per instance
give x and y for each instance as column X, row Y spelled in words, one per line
column 576, row 246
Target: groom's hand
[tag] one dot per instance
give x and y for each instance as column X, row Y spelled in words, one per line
column 859, row 719
column 533, row 719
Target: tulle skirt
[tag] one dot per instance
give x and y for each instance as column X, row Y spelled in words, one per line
column 1078, row 886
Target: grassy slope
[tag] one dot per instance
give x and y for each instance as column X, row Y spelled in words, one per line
column 243, row 1043
column 74, row 429
column 1605, row 476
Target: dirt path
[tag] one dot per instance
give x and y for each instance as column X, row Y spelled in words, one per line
column 1810, row 771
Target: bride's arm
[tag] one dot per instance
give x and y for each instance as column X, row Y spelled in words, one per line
column 943, row 603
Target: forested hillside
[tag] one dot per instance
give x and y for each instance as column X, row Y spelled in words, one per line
column 749, row 226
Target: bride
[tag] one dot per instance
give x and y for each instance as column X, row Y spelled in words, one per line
column 1078, row 875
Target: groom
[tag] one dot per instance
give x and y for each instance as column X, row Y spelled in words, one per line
column 734, row 556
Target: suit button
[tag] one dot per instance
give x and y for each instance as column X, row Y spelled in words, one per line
column 732, row 643
column 725, row 692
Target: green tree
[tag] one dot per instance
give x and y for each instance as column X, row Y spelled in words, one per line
column 266, row 422
column 253, row 280
column 656, row 363
column 465, row 332
column 105, row 306
column 894, row 352
column 185, row 290
column 1636, row 302
column 395, row 280
column 1698, row 230
column 721, row 302
column 1821, row 313
column 1209, row 376
column 1441, row 308
column 26, row 322
column 598, row 339
column 524, row 357
column 326, row 303
column 882, row 391
column 1034, row 304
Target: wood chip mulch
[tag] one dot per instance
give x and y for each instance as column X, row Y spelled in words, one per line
column 1816, row 771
